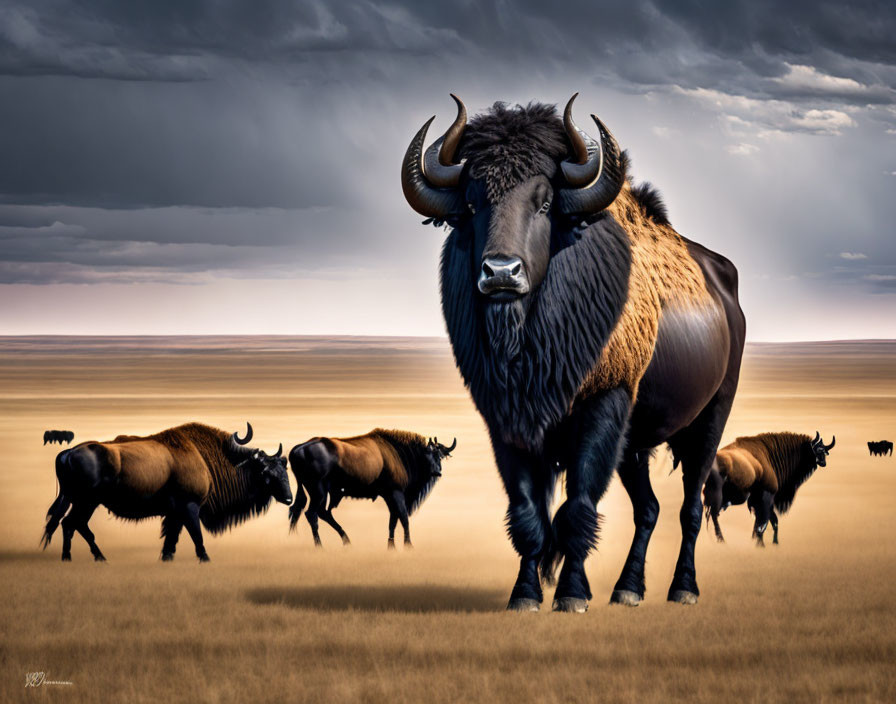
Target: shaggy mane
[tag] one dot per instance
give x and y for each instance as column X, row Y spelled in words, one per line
column 508, row 145
column 651, row 202
column 548, row 349
column 411, row 449
column 230, row 500
column 788, row 458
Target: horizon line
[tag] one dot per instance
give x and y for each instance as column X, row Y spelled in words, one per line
column 4, row 336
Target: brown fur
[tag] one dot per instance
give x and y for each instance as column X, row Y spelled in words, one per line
column 759, row 461
column 663, row 275
column 367, row 457
column 191, row 456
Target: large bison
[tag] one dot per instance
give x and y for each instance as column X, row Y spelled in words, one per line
column 586, row 328
column 189, row 475
column 764, row 470
column 400, row 466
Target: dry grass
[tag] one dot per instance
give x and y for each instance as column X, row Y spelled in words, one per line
column 270, row 619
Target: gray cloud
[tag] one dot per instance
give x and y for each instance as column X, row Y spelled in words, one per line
column 174, row 141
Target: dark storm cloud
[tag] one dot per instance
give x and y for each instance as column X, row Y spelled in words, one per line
column 152, row 139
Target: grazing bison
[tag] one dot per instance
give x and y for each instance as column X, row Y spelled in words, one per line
column 401, row 467
column 764, row 470
column 189, row 475
column 60, row 436
column 586, row 328
column 883, row 447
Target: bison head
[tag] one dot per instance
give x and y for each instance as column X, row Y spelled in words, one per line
column 820, row 451
column 268, row 470
column 435, row 452
column 525, row 188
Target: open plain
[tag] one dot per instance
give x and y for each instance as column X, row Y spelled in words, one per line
column 273, row 619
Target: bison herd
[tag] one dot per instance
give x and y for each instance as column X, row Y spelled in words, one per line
column 196, row 476
column 588, row 332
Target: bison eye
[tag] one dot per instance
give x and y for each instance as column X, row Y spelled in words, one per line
column 545, row 207
column 472, row 208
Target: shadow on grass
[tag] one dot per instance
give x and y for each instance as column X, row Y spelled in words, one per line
column 422, row 598
column 9, row 556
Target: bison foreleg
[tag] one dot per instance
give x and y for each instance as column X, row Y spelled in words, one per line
column 171, row 528
column 190, row 518
column 398, row 510
column 602, row 421
column 528, row 485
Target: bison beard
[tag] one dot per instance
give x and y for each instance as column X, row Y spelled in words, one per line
column 524, row 361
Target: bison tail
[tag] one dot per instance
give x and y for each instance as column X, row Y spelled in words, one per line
column 54, row 515
column 295, row 511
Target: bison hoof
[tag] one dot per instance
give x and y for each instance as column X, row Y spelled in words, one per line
column 523, row 604
column 408, row 545
column 167, row 556
column 570, row 605
column 390, row 545
column 625, row 597
column 66, row 558
column 345, row 541
column 203, row 558
column 99, row 558
column 682, row 596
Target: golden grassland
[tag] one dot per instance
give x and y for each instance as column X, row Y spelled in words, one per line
column 271, row 619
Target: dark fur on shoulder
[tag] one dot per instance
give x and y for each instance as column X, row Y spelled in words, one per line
column 547, row 350
column 651, row 202
column 412, row 451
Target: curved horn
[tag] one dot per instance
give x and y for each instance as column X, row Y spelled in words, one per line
column 606, row 184
column 833, row 442
column 817, row 438
column 435, row 196
column 236, row 436
column 453, row 445
column 438, row 162
column 586, row 165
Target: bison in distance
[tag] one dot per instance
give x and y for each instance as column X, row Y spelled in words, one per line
column 60, row 436
column 399, row 466
column 881, row 448
column 191, row 475
column 765, row 471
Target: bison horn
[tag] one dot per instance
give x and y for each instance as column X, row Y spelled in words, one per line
column 599, row 179
column 453, row 445
column 279, row 452
column 817, row 438
column 429, row 183
column 588, row 157
column 833, row 442
column 236, row 436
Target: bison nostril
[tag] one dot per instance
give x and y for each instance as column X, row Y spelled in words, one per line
column 516, row 269
column 487, row 270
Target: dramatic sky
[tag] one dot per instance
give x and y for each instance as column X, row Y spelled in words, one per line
column 184, row 166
